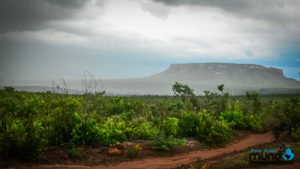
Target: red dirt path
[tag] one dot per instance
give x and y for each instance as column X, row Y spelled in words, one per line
column 178, row 160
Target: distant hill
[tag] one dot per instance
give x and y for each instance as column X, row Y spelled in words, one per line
column 237, row 78
column 245, row 75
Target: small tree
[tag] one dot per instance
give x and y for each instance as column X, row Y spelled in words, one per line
column 182, row 90
column 256, row 102
column 92, row 90
column 221, row 88
column 9, row 89
column 223, row 98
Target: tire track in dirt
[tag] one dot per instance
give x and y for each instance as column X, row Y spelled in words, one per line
column 178, row 160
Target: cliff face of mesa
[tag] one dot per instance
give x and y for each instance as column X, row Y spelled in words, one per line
column 227, row 73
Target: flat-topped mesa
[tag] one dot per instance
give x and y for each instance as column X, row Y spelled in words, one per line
column 224, row 66
column 212, row 74
column 237, row 78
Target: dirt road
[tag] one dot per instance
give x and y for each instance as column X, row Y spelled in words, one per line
column 175, row 161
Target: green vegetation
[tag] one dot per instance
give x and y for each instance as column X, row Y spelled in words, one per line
column 296, row 134
column 211, row 130
column 29, row 122
column 163, row 143
column 133, row 152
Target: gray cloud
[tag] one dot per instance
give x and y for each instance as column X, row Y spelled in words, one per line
column 273, row 20
column 230, row 4
column 69, row 3
column 44, row 39
column 155, row 9
column 22, row 15
column 280, row 11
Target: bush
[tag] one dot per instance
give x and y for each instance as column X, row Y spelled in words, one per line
column 133, row 152
column 187, row 124
column 212, row 131
column 23, row 139
column 163, row 143
column 170, row 126
column 254, row 123
column 145, row 131
column 113, row 131
column 22, row 132
column 75, row 152
column 85, row 131
column 235, row 119
column 118, row 105
column 296, row 134
column 73, row 128
column 287, row 115
column 64, row 121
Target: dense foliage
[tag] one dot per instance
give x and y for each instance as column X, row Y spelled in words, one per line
column 29, row 122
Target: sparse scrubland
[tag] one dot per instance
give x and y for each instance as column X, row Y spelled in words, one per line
column 30, row 122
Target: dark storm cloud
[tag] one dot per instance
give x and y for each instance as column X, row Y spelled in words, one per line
column 69, row 3
column 278, row 11
column 228, row 4
column 16, row 15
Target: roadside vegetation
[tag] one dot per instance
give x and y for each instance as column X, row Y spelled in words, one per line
column 30, row 122
column 241, row 160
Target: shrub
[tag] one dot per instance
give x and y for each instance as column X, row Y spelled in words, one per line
column 187, row 124
column 256, row 102
column 127, row 116
column 296, row 134
column 170, row 126
column 212, row 131
column 176, row 106
column 145, row 131
column 235, row 119
column 23, row 139
column 64, row 121
column 73, row 128
column 84, row 131
column 133, row 152
column 120, row 105
column 254, row 123
column 9, row 89
column 163, row 143
column 287, row 115
column 113, row 131
column 75, row 152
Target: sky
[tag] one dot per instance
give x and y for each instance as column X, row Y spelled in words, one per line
column 41, row 40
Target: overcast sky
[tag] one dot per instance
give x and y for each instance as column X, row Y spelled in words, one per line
column 50, row 39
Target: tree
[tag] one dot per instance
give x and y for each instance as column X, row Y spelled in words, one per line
column 256, row 102
column 223, row 98
column 9, row 89
column 92, row 90
column 182, row 90
column 221, row 88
